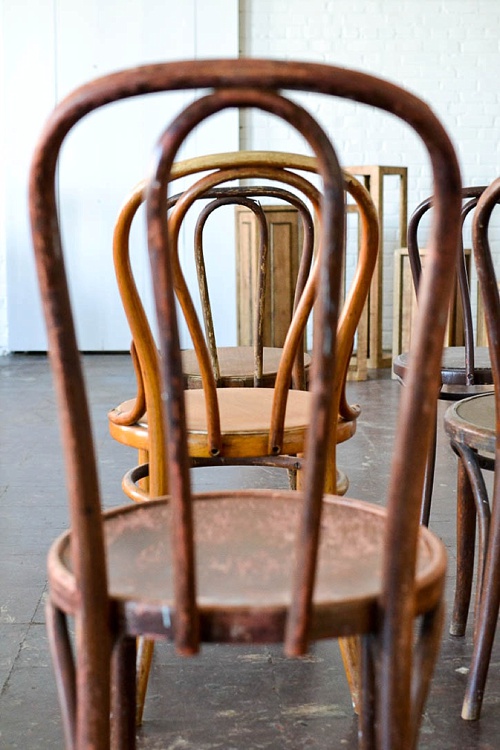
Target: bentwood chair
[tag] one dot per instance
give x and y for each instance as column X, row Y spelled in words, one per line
column 128, row 422
column 465, row 370
column 247, row 366
column 300, row 565
column 473, row 428
column 228, row 426
column 234, row 366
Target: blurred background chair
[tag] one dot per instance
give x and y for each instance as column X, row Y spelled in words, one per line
column 246, row 366
column 296, row 565
column 473, row 428
column 466, row 369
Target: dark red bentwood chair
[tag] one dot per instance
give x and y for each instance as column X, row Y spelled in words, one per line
column 325, row 566
column 473, row 426
column 465, row 370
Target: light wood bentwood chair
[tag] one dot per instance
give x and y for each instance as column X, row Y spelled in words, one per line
column 300, row 565
column 234, row 366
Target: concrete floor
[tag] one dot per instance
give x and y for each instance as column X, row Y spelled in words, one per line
column 241, row 698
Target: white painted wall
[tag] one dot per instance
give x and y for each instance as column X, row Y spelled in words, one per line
column 3, row 254
column 49, row 48
column 445, row 51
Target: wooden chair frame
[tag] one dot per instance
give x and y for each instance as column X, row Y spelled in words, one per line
column 105, row 646
column 477, row 448
column 458, row 381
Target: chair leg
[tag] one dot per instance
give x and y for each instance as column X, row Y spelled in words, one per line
column 425, row 657
column 145, row 648
column 483, row 644
column 145, row 651
column 123, row 694
column 394, row 723
column 371, row 706
column 367, row 697
column 429, row 476
column 486, row 621
column 64, row 667
column 93, row 682
column 424, row 660
column 143, row 458
column 350, row 649
column 477, row 489
column 337, row 486
column 466, row 541
column 342, row 483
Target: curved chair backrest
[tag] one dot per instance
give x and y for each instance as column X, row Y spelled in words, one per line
column 489, row 289
column 245, row 196
column 293, row 342
column 263, row 165
column 143, row 352
column 470, row 196
column 259, row 84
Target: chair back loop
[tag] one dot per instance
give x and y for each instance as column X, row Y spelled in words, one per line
column 331, row 237
column 254, row 83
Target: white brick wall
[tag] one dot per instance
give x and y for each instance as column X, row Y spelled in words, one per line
column 445, row 51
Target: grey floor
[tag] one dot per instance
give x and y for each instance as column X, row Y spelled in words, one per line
column 241, row 698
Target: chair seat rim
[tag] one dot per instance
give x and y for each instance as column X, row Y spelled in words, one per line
column 331, row 618
column 474, row 434
column 453, row 374
column 243, row 374
column 136, row 435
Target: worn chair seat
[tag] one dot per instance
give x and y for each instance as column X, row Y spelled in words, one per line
column 244, row 543
column 236, row 366
column 241, row 419
column 472, row 422
column 453, row 372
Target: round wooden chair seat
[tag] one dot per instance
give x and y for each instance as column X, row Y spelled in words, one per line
column 453, row 365
column 244, row 418
column 453, row 370
column 471, row 422
column 245, row 544
column 236, row 365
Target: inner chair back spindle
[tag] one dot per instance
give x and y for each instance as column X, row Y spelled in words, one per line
column 247, row 197
column 292, row 350
column 162, row 236
column 226, row 200
column 470, row 197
